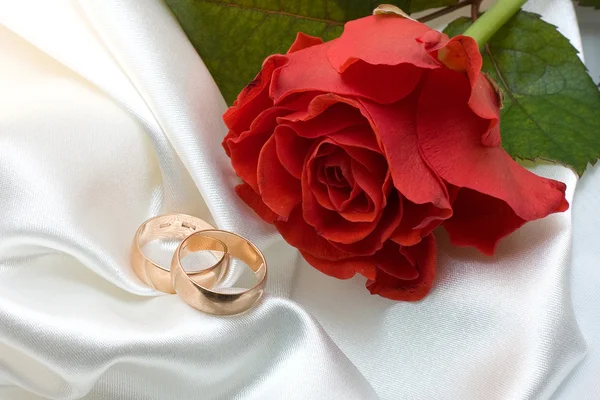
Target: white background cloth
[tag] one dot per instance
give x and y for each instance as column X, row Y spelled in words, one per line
column 108, row 117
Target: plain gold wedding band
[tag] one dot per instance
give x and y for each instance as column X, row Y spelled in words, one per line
column 173, row 227
column 200, row 296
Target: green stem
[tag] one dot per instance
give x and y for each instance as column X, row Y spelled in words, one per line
column 492, row 20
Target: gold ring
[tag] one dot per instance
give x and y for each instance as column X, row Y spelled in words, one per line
column 174, row 227
column 200, row 296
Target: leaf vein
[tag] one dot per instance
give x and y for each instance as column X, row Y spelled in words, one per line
column 274, row 12
column 244, row 43
column 515, row 101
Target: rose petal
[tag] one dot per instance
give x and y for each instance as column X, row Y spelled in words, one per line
column 381, row 40
column 254, row 201
column 373, row 188
column 432, row 41
column 358, row 207
column 353, row 204
column 450, row 138
column 395, row 126
column 359, row 136
column 337, row 159
column 341, row 198
column 298, row 101
column 299, row 234
column 480, row 221
column 253, row 99
column 310, row 70
column 383, row 84
column 418, row 221
column 331, row 225
column 313, row 171
column 291, row 149
column 245, row 149
column 387, row 223
column 374, row 162
column 304, row 41
column 333, row 177
column 485, row 102
column 391, row 261
column 370, row 169
column 370, row 183
column 461, row 53
column 323, row 214
column 341, row 269
column 339, row 190
column 278, row 189
column 326, row 115
column 388, row 286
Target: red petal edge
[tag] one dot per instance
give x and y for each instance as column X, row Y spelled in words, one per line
column 424, row 256
column 254, row 201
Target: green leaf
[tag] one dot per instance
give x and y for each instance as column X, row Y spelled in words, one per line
column 551, row 105
column 233, row 37
column 589, row 3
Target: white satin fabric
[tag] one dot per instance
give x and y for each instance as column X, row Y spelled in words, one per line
column 108, row 117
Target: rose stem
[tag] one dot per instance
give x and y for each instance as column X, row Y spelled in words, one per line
column 492, row 20
column 445, row 11
column 475, row 10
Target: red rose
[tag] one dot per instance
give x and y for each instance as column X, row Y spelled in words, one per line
column 358, row 148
